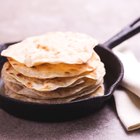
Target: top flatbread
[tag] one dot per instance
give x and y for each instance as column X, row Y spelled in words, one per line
column 53, row 48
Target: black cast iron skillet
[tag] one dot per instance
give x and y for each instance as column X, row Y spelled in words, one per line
column 75, row 109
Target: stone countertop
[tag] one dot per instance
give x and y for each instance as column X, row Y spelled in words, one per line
column 101, row 19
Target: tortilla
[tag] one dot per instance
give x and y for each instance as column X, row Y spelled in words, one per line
column 56, row 70
column 50, row 84
column 59, row 93
column 52, row 48
column 99, row 91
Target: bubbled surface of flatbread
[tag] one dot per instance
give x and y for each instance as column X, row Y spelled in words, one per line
column 56, row 70
column 53, row 48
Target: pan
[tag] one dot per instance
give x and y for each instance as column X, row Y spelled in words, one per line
column 74, row 109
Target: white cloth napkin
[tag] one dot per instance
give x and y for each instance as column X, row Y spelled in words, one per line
column 127, row 99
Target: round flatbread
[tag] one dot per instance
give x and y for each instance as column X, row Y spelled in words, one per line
column 56, row 70
column 52, row 48
column 98, row 92
column 59, row 93
column 50, row 84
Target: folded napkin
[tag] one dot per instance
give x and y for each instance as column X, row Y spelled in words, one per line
column 127, row 99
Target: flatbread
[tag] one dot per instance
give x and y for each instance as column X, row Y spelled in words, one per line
column 50, row 84
column 7, row 77
column 52, row 48
column 59, row 93
column 99, row 91
column 56, row 70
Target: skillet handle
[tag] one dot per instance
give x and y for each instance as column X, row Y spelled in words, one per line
column 123, row 35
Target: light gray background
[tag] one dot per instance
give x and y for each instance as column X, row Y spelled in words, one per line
column 99, row 18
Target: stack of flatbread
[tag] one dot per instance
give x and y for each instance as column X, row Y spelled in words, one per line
column 57, row 67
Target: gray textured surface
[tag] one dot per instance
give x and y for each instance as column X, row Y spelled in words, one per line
column 101, row 19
